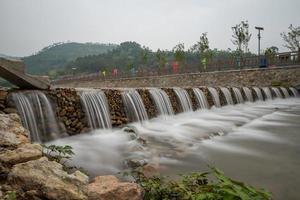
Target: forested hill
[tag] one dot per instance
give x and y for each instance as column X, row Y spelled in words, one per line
column 54, row 57
column 129, row 55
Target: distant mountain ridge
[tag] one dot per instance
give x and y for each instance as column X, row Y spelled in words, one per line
column 9, row 57
column 52, row 58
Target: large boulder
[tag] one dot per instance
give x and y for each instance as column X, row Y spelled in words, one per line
column 24, row 153
column 12, row 133
column 109, row 188
column 47, row 180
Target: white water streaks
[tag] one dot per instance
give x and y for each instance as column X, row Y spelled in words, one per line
column 239, row 139
column 295, row 92
column 248, row 94
column 201, row 98
column 184, row 99
column 215, row 96
column 258, row 93
column 285, row 92
column 267, row 93
column 37, row 115
column 162, row 101
column 96, row 107
column 238, row 95
column 277, row 92
column 134, row 106
column 227, row 95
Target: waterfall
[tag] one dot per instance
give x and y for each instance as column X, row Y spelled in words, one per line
column 258, row 93
column 285, row 92
column 201, row 98
column 227, row 95
column 37, row 115
column 215, row 96
column 134, row 105
column 96, row 108
column 162, row 101
column 238, row 95
column 267, row 92
column 294, row 91
column 184, row 99
column 277, row 92
column 248, row 94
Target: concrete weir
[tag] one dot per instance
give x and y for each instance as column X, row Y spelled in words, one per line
column 14, row 72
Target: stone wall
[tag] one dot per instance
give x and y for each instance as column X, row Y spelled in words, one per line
column 286, row 76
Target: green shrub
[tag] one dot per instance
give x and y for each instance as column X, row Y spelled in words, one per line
column 213, row 185
column 61, row 154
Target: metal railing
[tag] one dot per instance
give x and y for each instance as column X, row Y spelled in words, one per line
column 237, row 63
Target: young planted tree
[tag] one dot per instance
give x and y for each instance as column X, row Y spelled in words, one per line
column 241, row 37
column 179, row 53
column 161, row 58
column 270, row 53
column 292, row 38
column 202, row 49
column 145, row 53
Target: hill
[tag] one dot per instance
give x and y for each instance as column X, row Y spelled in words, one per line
column 52, row 58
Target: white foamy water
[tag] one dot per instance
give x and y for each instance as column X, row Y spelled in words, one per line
column 253, row 142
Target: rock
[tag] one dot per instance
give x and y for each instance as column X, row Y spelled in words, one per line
column 12, row 133
column 135, row 163
column 150, row 170
column 24, row 153
column 109, row 188
column 48, row 180
column 3, row 95
column 10, row 110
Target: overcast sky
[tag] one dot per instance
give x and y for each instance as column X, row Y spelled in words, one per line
column 26, row 26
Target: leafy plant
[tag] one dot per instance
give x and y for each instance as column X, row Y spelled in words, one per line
column 10, row 195
column 58, row 153
column 212, row 185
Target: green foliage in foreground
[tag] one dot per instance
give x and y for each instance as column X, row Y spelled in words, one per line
column 198, row 186
column 58, row 153
column 61, row 154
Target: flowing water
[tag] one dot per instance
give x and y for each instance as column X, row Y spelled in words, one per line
column 37, row 115
column 227, row 95
column 295, row 92
column 285, row 92
column 253, row 142
column 258, row 93
column 267, row 92
column 162, row 101
column 277, row 92
column 201, row 98
column 238, row 95
column 96, row 107
column 134, row 105
column 248, row 94
column 184, row 99
column 215, row 96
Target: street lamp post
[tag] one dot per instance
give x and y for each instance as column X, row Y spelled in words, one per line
column 259, row 37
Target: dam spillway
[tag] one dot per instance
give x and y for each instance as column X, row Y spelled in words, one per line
column 108, row 108
column 175, row 138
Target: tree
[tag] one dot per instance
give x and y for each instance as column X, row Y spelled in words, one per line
column 202, row 49
column 179, row 53
column 270, row 53
column 145, row 53
column 161, row 58
column 292, row 38
column 241, row 37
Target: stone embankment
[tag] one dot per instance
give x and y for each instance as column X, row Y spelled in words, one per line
column 261, row 77
column 25, row 173
column 73, row 119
